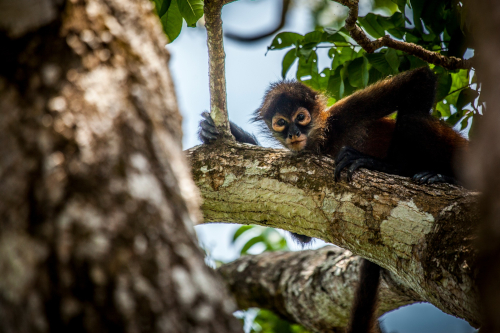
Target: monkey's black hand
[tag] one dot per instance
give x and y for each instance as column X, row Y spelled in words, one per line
column 431, row 177
column 207, row 132
column 354, row 159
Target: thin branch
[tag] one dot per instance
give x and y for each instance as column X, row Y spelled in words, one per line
column 370, row 46
column 248, row 39
column 216, row 56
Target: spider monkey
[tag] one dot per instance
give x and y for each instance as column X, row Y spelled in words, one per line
column 357, row 132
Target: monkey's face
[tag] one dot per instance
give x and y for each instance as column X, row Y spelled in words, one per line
column 293, row 130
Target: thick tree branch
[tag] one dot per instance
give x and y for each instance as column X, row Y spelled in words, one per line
column 313, row 288
column 370, row 46
column 422, row 234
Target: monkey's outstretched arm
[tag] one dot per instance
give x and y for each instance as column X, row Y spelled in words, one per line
column 208, row 132
column 409, row 93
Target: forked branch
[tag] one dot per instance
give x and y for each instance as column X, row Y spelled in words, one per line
column 370, row 46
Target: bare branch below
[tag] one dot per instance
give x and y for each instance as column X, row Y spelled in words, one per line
column 313, row 288
column 370, row 46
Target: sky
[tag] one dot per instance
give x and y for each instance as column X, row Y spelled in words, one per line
column 249, row 71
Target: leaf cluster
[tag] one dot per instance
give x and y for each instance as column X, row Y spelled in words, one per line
column 269, row 238
column 173, row 12
column 436, row 25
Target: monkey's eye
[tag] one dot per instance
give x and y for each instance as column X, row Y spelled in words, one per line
column 303, row 117
column 279, row 124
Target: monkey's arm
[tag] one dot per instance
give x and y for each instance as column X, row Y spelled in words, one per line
column 409, row 93
column 208, row 132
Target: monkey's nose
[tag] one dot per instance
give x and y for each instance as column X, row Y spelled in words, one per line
column 291, row 135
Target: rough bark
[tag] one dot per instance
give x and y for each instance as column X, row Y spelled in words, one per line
column 421, row 234
column 484, row 162
column 313, row 288
column 96, row 201
column 217, row 71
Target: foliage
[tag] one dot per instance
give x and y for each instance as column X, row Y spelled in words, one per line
column 268, row 238
column 268, row 322
column 173, row 12
column 433, row 24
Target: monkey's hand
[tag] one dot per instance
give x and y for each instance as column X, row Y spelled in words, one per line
column 431, row 177
column 208, row 132
column 350, row 157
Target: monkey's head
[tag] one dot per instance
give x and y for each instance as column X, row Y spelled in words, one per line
column 293, row 114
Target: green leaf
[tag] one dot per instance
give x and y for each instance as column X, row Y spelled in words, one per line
column 379, row 61
column 365, row 75
column 443, row 109
column 172, row 22
column 288, row 61
column 285, row 39
column 371, row 25
column 313, row 37
column 401, row 5
column 307, row 66
column 417, row 7
column 454, row 119
column 415, row 62
column 355, row 72
column 334, row 84
column 465, row 97
column 240, row 231
column 191, row 10
column 465, row 122
column 392, row 58
column 250, row 243
column 375, row 75
column 443, row 85
column 164, row 7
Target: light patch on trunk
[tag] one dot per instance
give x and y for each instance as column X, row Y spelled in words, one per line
column 406, row 226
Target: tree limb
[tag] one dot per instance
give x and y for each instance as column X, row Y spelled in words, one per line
column 285, row 5
column 313, row 288
column 422, row 234
column 217, row 74
column 370, row 46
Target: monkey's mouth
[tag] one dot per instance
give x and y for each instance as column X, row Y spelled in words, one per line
column 297, row 144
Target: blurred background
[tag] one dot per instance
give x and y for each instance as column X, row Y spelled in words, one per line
column 249, row 71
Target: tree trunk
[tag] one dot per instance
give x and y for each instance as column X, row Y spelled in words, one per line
column 96, row 204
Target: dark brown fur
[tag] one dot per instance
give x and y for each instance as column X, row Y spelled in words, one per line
column 413, row 143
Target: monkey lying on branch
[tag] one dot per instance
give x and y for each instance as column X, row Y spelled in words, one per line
column 358, row 134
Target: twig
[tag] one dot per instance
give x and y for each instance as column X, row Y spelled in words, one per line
column 216, row 56
column 370, row 46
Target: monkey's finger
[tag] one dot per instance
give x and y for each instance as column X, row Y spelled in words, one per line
column 341, row 166
column 359, row 163
column 346, row 151
column 422, row 177
column 442, row 179
column 205, row 125
column 207, row 136
column 207, row 117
